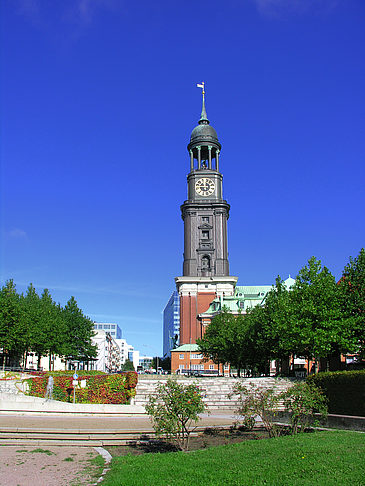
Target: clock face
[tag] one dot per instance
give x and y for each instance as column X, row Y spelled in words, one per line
column 204, row 186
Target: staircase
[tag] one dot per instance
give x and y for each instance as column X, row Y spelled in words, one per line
column 216, row 390
column 71, row 437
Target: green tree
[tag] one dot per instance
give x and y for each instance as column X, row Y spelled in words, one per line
column 128, row 366
column 13, row 326
column 216, row 344
column 276, row 337
column 54, row 326
column 80, row 330
column 352, row 287
column 165, row 363
column 317, row 314
column 36, row 333
column 239, row 340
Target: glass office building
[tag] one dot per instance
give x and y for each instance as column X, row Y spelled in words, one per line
column 171, row 324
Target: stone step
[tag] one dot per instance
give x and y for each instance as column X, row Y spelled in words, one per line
column 216, row 390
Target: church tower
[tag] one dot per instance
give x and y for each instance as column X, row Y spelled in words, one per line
column 205, row 214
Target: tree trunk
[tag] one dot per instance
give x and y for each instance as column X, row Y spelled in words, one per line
column 284, row 366
column 334, row 362
column 25, row 359
column 322, row 364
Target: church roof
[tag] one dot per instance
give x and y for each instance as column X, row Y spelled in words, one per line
column 252, row 291
column 203, row 133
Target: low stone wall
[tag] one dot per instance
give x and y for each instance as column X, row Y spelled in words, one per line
column 333, row 421
column 10, row 403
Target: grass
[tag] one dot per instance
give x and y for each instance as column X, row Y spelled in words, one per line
column 42, row 451
column 94, row 468
column 323, row 458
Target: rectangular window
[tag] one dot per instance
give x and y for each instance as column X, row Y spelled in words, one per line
column 197, row 367
column 181, row 367
column 196, row 356
column 181, row 356
column 226, row 367
column 205, row 219
column 211, row 367
column 205, row 235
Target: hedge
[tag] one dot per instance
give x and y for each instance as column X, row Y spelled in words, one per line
column 345, row 391
column 100, row 388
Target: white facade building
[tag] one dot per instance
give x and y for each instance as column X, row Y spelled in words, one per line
column 108, row 359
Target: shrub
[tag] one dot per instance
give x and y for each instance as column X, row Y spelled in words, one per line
column 303, row 400
column 258, row 401
column 345, row 391
column 173, row 409
column 100, row 388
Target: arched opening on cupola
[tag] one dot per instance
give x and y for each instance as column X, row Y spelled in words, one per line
column 204, row 157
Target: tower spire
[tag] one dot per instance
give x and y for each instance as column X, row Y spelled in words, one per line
column 203, row 117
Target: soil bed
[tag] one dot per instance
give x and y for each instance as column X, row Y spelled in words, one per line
column 208, row 438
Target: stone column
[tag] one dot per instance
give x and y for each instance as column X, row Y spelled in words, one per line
column 199, row 157
column 210, row 156
column 217, row 160
column 191, row 161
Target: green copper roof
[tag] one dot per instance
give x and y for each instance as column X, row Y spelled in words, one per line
column 251, row 291
column 187, row 347
column 203, row 116
column 245, row 296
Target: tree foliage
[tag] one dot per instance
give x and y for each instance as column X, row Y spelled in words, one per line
column 352, row 285
column 30, row 323
column 128, row 366
column 317, row 319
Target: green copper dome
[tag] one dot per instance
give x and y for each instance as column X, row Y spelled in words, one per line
column 203, row 133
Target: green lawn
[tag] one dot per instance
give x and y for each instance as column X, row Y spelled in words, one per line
column 322, row 458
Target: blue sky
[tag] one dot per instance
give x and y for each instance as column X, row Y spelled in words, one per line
column 98, row 102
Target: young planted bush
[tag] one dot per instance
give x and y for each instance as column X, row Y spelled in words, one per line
column 256, row 401
column 303, row 401
column 173, row 409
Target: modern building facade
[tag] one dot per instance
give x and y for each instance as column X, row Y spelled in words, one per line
column 171, row 324
column 145, row 363
column 108, row 359
column 110, row 327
